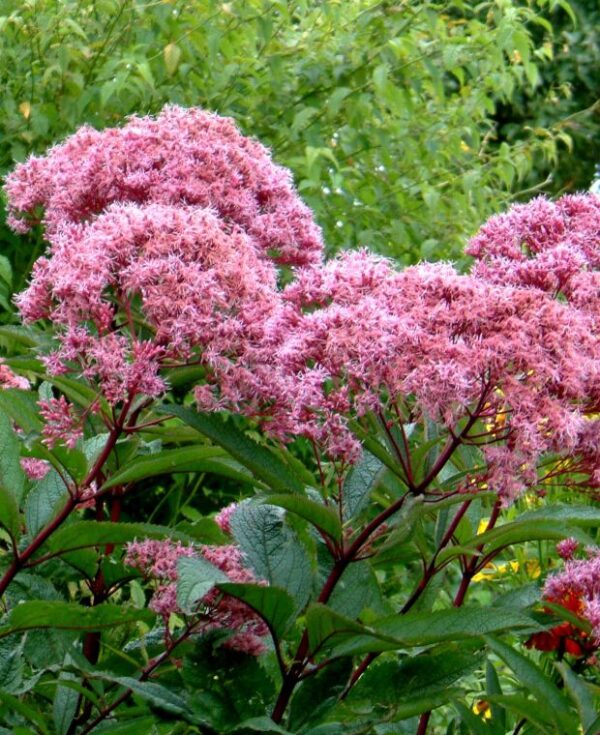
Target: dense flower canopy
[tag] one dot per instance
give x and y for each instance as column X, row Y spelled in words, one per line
column 181, row 212
column 166, row 236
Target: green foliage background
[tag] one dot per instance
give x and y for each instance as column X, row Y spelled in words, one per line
column 406, row 124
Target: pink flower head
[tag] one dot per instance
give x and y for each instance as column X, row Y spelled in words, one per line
column 180, row 216
column 223, row 517
column 158, row 560
column 183, row 157
column 566, row 548
column 356, row 335
column 61, row 422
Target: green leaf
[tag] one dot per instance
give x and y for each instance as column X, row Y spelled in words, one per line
column 84, row 534
column 273, row 604
column 156, row 694
column 517, row 532
column 359, row 483
column 11, row 665
column 21, row 407
column 70, row 616
column 185, row 459
column 393, row 682
column 575, row 515
column 272, row 549
column 587, row 703
column 321, row 516
column 12, row 476
column 171, row 56
column 9, row 513
column 550, row 699
column 195, row 578
column 356, row 589
column 318, row 694
column 493, row 688
column 26, row 711
column 322, row 624
column 44, row 500
column 133, row 726
column 64, row 706
column 259, row 724
column 413, row 629
column 264, row 465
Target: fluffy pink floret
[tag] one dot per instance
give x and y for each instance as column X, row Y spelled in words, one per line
column 35, row 469
column 566, row 548
column 158, row 560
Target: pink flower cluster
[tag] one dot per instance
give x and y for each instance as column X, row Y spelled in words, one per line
column 35, row 469
column 157, row 560
column 181, row 215
column 165, row 240
column 580, row 580
column 356, row 335
column 9, row 379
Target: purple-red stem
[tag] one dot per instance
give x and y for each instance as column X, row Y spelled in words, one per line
column 461, row 593
column 20, row 559
column 147, row 671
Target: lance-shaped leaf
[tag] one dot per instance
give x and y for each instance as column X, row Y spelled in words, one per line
column 517, row 532
column 411, row 630
column 83, row 534
column 156, row 694
column 185, row 459
column 321, row 516
column 263, row 464
column 70, row 616
column 530, row 676
column 9, row 512
column 43, row 502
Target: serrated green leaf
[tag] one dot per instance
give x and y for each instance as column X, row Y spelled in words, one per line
column 44, row 500
column 195, row 578
column 272, row 549
column 64, row 706
column 359, row 483
column 12, row 476
column 413, row 629
column 263, row 464
column 21, row 407
column 156, row 694
column 84, row 534
column 582, row 694
column 9, row 513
